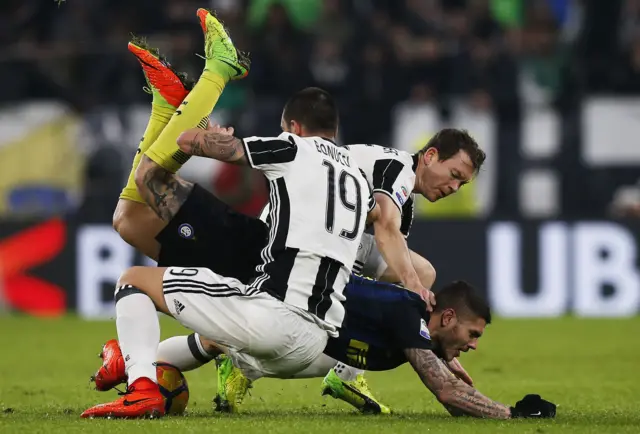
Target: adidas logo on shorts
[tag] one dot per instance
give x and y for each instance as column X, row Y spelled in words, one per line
column 179, row 306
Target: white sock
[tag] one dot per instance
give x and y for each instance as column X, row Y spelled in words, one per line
column 183, row 352
column 318, row 368
column 346, row 372
column 138, row 332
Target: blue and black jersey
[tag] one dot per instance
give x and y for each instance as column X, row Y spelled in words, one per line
column 382, row 320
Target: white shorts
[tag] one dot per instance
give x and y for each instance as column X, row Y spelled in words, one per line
column 264, row 336
column 369, row 260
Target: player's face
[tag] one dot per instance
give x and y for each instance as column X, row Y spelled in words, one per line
column 440, row 178
column 461, row 335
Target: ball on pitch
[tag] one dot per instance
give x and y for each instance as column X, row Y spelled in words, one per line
column 174, row 388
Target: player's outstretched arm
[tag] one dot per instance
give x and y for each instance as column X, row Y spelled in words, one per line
column 457, row 397
column 216, row 142
column 394, row 249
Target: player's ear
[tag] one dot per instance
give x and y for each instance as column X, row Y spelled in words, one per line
column 295, row 127
column 448, row 317
column 430, row 156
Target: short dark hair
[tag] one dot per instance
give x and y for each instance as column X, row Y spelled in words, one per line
column 313, row 108
column 449, row 141
column 463, row 298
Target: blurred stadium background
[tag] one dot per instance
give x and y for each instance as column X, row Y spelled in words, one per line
column 549, row 88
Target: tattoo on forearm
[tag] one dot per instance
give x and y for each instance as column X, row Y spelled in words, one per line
column 476, row 404
column 218, row 146
column 452, row 392
column 163, row 191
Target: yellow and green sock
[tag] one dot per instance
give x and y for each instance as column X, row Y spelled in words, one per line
column 193, row 112
column 160, row 117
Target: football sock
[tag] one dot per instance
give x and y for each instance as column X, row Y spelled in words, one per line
column 183, row 352
column 138, row 332
column 160, row 117
column 346, row 372
column 193, row 112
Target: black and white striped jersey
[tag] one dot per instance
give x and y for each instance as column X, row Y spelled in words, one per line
column 318, row 204
column 391, row 172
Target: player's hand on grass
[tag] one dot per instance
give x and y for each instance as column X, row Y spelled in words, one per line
column 533, row 406
column 456, row 369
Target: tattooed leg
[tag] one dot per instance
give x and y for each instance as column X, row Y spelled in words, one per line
column 457, row 396
column 163, row 191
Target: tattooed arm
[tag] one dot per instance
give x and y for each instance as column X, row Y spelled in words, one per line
column 455, row 412
column 213, row 144
column 454, row 394
column 163, row 191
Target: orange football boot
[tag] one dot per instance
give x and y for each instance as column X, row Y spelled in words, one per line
column 142, row 400
column 173, row 87
column 111, row 373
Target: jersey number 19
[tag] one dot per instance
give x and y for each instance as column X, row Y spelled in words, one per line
column 355, row 208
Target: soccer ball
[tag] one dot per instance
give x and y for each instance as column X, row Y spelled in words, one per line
column 174, row 388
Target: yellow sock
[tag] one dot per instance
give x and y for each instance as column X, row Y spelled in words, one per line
column 193, row 112
column 160, row 117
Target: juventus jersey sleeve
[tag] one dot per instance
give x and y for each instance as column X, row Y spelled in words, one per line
column 269, row 154
column 395, row 179
column 390, row 172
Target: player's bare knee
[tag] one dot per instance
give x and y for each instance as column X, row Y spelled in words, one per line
column 427, row 274
column 126, row 287
column 127, row 231
column 121, row 221
column 142, row 278
column 119, row 216
column 424, row 268
column 148, row 280
column 131, row 276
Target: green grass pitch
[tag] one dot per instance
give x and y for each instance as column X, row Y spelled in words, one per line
column 589, row 367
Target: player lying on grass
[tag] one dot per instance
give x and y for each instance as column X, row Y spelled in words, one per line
column 179, row 210
column 279, row 323
column 388, row 326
